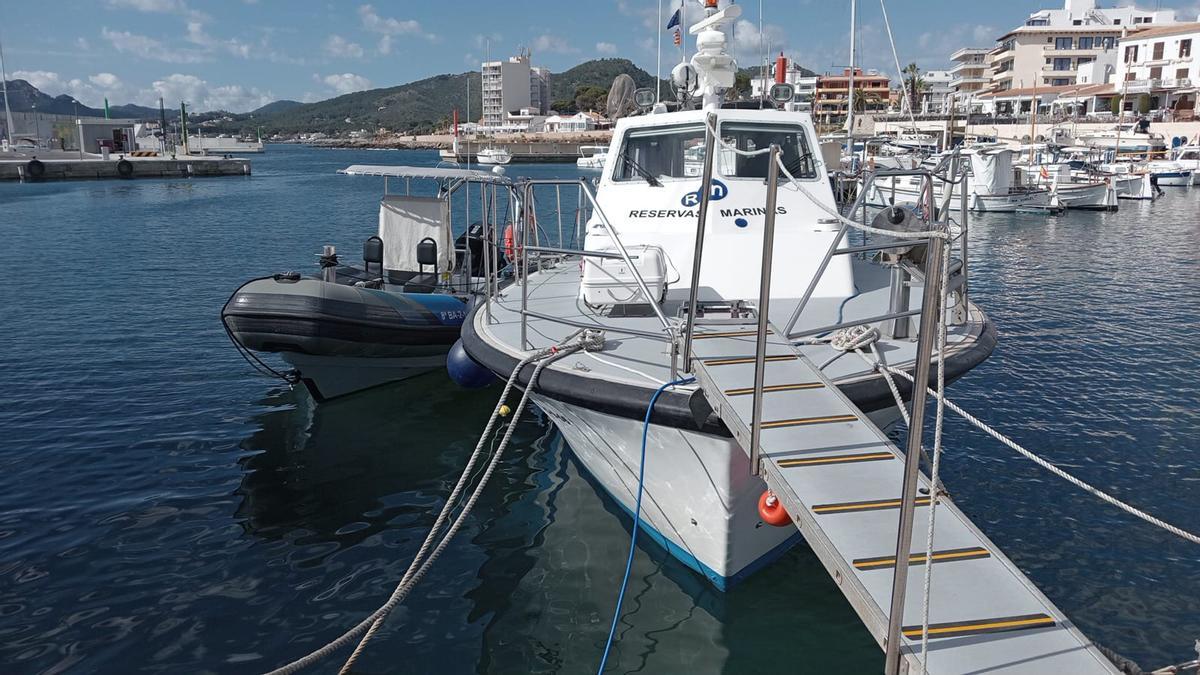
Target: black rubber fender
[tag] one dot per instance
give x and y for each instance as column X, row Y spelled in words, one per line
column 125, row 168
column 35, row 168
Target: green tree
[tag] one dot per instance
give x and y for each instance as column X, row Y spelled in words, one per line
column 1143, row 104
column 914, row 85
column 1114, row 104
column 866, row 100
column 590, row 98
column 741, row 85
column 564, row 105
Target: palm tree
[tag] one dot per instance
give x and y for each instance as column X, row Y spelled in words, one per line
column 914, row 85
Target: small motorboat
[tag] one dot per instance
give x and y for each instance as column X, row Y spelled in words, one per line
column 494, row 156
column 350, row 328
column 592, row 156
column 1188, row 157
column 1165, row 173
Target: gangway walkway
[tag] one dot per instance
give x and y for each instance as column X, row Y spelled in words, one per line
column 840, row 479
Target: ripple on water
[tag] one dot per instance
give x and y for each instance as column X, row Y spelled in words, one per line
column 164, row 510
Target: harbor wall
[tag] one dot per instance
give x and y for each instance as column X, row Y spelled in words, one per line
column 91, row 169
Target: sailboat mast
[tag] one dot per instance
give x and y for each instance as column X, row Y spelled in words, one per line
column 4, row 84
column 850, row 85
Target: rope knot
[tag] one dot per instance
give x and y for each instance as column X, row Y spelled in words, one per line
column 854, row 338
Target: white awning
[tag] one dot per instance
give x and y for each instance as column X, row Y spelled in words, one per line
column 424, row 172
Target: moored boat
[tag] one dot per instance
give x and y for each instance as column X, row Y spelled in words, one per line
column 353, row 327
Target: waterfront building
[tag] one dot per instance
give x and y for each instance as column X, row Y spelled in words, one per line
column 1052, row 44
column 970, row 77
column 511, row 85
column 1158, row 63
column 804, row 85
column 871, row 92
column 935, row 97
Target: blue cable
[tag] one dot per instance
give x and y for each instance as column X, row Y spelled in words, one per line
column 637, row 519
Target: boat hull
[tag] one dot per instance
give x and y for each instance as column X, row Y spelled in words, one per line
column 1174, row 179
column 700, row 501
column 342, row 338
column 1094, row 196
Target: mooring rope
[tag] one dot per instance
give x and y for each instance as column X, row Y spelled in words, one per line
column 424, row 557
column 1027, row 454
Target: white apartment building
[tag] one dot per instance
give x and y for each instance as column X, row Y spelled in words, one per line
column 970, row 76
column 539, row 89
column 1053, row 44
column 935, row 98
column 1159, row 63
column 512, row 85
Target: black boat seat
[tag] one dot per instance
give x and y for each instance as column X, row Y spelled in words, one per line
column 421, row 283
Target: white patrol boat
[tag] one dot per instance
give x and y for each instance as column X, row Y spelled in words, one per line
column 702, row 498
column 722, row 333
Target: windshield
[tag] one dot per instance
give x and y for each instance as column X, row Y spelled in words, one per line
column 662, row 152
column 793, row 145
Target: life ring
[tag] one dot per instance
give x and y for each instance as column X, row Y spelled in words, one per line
column 125, row 168
column 35, row 168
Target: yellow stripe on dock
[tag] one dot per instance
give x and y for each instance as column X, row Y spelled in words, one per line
column 748, row 359
column 836, row 459
column 742, row 391
column 805, row 421
column 874, row 505
column 948, row 555
column 961, row 628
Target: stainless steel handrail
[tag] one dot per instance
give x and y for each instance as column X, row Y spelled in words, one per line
column 710, row 142
column 764, row 307
column 526, row 221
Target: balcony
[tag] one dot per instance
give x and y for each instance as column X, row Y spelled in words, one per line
column 960, row 81
column 1057, row 72
column 968, row 66
column 1050, row 52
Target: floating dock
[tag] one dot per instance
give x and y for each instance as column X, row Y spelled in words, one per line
column 67, row 166
column 840, row 479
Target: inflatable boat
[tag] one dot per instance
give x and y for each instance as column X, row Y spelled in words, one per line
column 351, row 327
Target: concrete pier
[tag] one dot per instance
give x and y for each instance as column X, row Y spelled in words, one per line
column 59, row 165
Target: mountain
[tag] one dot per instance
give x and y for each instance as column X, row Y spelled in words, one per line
column 595, row 73
column 275, row 107
column 409, row 108
column 23, row 97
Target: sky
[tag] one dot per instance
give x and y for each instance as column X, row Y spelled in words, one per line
column 240, row 54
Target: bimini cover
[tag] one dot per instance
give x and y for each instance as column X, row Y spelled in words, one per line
column 992, row 172
column 404, row 221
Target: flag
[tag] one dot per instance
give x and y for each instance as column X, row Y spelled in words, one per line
column 678, row 38
column 674, row 19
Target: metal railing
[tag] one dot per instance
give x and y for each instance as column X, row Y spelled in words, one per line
column 529, row 227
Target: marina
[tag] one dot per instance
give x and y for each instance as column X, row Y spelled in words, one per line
column 760, row 381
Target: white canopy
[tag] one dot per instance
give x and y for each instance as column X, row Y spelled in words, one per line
column 424, row 172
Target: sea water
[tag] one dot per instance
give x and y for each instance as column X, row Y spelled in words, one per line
column 165, row 509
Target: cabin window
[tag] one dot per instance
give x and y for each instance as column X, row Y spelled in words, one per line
column 662, row 152
column 796, row 153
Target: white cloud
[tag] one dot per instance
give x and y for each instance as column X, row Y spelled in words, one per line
column 159, row 7
column 339, row 47
column 200, row 95
column 389, row 27
column 198, row 36
column 82, row 44
column 149, row 48
column 553, row 44
column 748, row 44
column 344, row 83
column 606, row 48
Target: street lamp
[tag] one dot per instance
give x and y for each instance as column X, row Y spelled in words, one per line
column 37, row 128
column 78, row 127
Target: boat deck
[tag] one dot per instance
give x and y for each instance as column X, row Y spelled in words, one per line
column 840, row 479
column 554, row 291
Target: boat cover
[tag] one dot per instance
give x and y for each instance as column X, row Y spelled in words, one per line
column 404, row 221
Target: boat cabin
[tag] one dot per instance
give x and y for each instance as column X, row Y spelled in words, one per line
column 649, row 190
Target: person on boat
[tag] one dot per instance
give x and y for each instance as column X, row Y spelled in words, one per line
column 1143, row 125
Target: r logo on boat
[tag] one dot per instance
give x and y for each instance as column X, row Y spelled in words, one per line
column 719, row 191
